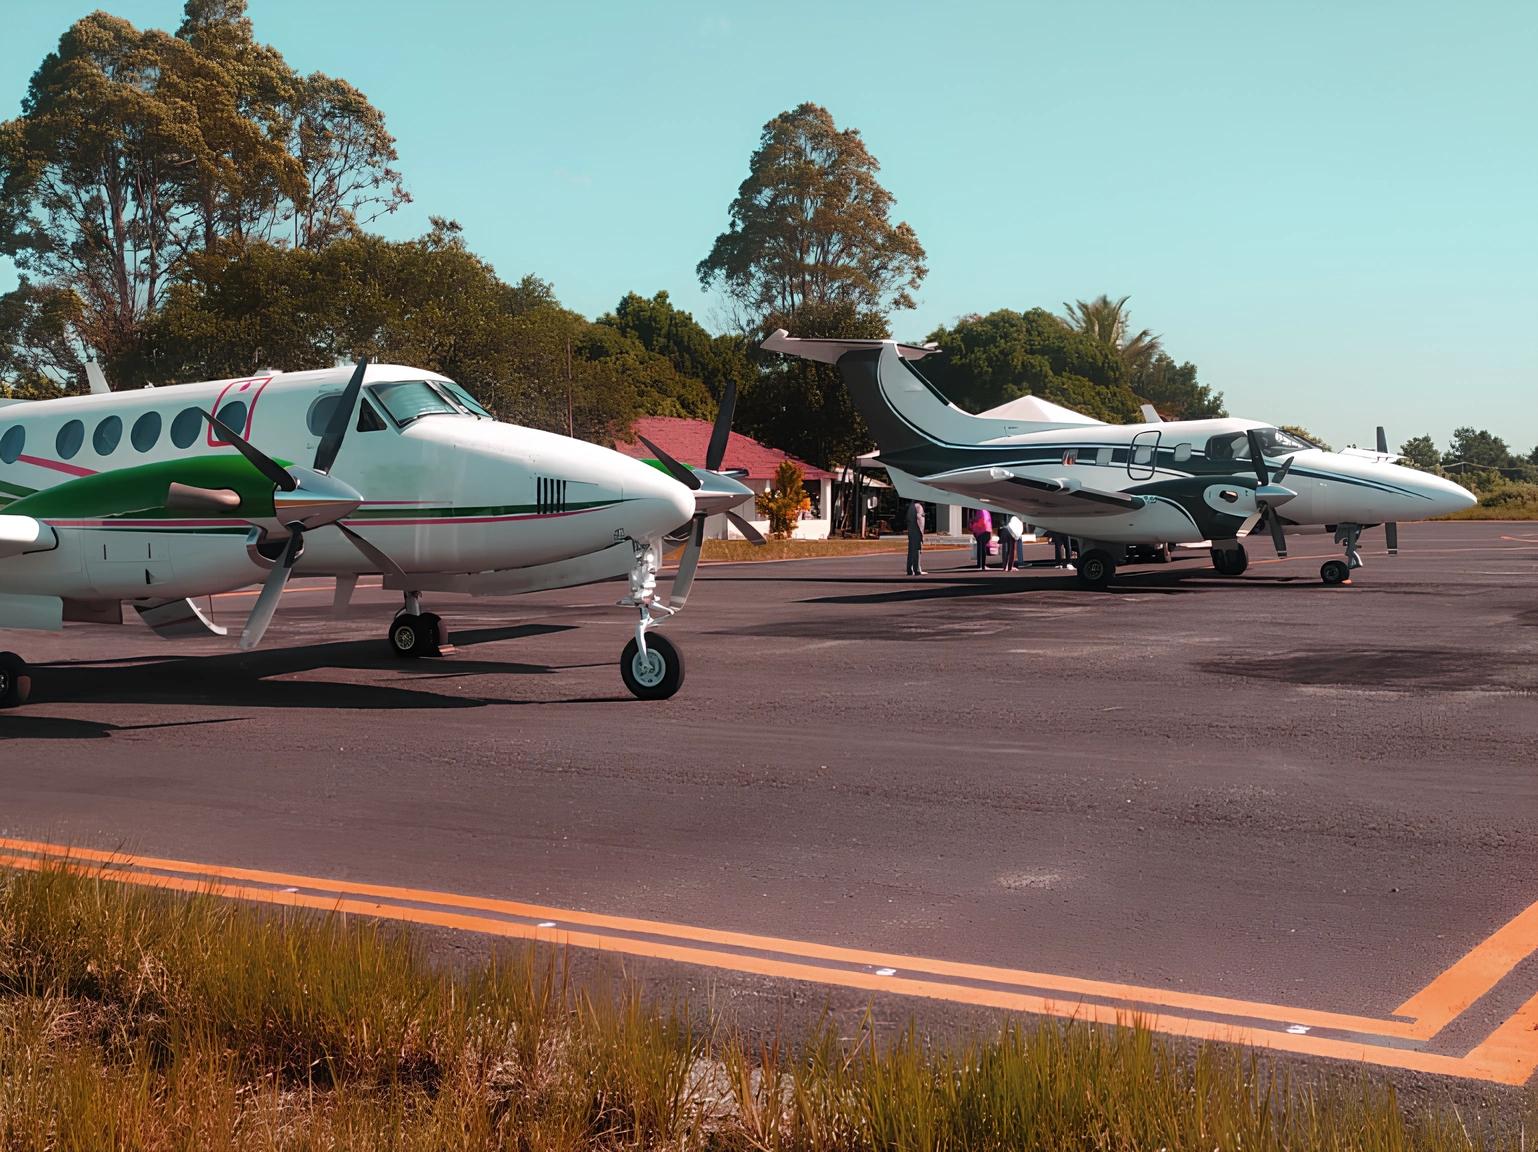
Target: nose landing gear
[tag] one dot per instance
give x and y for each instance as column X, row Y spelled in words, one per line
column 15, row 681
column 1339, row 571
column 651, row 665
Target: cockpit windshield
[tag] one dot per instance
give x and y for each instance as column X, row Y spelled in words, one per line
column 409, row 400
column 1274, row 443
column 465, row 399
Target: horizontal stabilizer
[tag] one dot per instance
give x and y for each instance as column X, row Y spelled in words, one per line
column 829, row 351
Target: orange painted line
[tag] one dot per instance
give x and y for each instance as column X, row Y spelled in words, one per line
column 1071, row 985
column 292, row 590
column 1514, row 1045
column 1508, row 1062
column 1479, row 970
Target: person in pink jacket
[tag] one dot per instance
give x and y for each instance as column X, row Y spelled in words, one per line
column 982, row 529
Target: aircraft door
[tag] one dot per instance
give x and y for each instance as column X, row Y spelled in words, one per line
column 1142, row 455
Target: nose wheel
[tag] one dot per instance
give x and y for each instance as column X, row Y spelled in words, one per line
column 1339, row 571
column 15, row 681
column 654, row 674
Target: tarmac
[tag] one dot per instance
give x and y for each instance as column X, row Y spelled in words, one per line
column 1254, row 808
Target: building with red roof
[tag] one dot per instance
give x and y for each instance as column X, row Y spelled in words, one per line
column 687, row 441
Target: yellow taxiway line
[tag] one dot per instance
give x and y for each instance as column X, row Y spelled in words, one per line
column 1507, row 1056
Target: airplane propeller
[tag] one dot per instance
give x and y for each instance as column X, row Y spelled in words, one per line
column 303, row 499
column 713, row 488
column 1270, row 492
column 1391, row 529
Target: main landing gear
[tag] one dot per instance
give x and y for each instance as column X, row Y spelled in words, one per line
column 414, row 633
column 1232, row 560
column 1339, row 571
column 1097, row 568
column 651, row 666
column 15, row 681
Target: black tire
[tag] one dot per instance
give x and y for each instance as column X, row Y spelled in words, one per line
column 660, row 676
column 1231, row 562
column 1335, row 572
column 1096, row 568
column 15, row 681
column 412, row 637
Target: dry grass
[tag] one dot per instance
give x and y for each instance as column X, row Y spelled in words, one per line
column 133, row 1019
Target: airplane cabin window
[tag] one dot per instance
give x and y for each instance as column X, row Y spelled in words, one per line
column 322, row 411
column 1104, row 455
column 12, row 443
column 1142, row 454
column 369, row 419
column 1182, row 453
column 232, row 413
column 108, row 435
column 146, row 432
column 1229, row 446
column 70, row 439
column 185, row 428
column 409, row 400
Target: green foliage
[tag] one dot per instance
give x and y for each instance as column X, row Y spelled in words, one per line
column 1421, row 452
column 1106, row 321
column 991, row 359
column 430, row 303
column 1304, row 434
column 786, row 499
column 1174, row 391
column 810, row 226
column 137, row 151
column 674, row 334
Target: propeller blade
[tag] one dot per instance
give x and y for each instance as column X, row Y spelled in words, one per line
column 723, row 429
column 677, row 471
column 263, row 463
column 1391, row 534
column 188, row 498
column 386, row 566
column 346, row 584
column 272, row 592
column 341, row 418
column 751, row 534
column 1286, row 468
column 1382, row 440
column 1257, row 455
column 1278, row 533
column 688, row 565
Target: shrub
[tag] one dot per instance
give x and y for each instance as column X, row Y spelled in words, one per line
column 785, row 500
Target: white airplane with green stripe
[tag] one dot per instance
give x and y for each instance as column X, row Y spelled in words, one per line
column 153, row 498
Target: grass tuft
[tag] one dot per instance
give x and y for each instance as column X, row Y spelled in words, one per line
column 132, row 1018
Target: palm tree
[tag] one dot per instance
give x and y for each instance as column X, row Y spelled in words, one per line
column 1105, row 320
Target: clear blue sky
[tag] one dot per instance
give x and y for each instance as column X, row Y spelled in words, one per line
column 1332, row 208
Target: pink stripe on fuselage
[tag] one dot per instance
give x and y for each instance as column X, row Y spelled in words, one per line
column 56, row 465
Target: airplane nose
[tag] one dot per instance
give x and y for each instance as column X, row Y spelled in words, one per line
column 1449, row 497
column 661, row 503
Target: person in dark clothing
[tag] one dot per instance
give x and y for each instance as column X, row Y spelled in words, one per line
column 1007, row 544
column 915, row 537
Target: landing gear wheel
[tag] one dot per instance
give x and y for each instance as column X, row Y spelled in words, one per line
column 412, row 637
column 15, row 681
column 656, row 676
column 1335, row 572
column 1096, row 568
column 1165, row 554
column 1230, row 562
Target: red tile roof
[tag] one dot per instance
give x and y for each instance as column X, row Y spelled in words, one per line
column 687, row 440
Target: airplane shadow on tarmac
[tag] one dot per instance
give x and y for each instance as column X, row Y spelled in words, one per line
column 246, row 679
column 968, row 583
column 23, row 727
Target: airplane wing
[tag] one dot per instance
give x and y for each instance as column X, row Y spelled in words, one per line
column 22, row 534
column 1030, row 494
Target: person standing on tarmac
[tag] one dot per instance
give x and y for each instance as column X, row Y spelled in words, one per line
column 982, row 529
column 1007, row 544
column 915, row 537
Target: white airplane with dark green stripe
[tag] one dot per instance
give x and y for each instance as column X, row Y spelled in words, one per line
column 155, row 497
column 1120, row 486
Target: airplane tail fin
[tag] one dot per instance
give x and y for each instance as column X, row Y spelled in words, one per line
column 904, row 410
